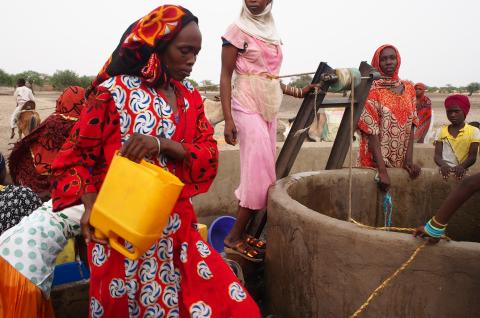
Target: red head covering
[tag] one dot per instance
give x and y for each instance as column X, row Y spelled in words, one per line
column 420, row 86
column 70, row 102
column 389, row 82
column 137, row 52
column 458, row 100
column 376, row 60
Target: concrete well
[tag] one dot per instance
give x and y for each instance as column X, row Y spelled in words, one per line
column 319, row 265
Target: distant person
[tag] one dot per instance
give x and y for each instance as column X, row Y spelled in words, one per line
column 456, row 145
column 22, row 95
column 253, row 49
column 424, row 113
column 387, row 122
column 31, row 158
column 435, row 228
column 319, row 129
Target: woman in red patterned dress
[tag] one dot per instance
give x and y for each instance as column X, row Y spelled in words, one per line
column 31, row 158
column 386, row 123
column 424, row 112
column 141, row 103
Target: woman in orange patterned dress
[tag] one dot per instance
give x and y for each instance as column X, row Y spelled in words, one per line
column 386, row 124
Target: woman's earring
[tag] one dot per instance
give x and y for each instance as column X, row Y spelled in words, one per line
column 150, row 71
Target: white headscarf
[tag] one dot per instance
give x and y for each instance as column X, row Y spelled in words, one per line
column 260, row 26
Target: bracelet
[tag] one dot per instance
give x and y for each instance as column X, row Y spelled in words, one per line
column 438, row 223
column 158, row 143
column 434, row 231
column 300, row 93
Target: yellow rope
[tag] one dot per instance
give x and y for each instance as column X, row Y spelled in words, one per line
column 387, row 281
column 384, row 284
column 390, row 228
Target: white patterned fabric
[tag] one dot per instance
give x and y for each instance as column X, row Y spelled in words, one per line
column 33, row 245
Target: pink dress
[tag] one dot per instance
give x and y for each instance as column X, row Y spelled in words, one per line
column 256, row 135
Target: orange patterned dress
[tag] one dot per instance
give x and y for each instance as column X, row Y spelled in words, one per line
column 390, row 116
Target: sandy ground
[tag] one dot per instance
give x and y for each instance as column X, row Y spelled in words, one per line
column 46, row 105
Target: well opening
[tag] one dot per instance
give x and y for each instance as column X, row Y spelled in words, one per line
column 322, row 266
column 414, row 201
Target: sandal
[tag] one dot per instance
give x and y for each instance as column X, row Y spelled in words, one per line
column 256, row 243
column 244, row 251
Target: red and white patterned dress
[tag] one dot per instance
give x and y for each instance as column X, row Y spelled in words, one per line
column 390, row 116
column 181, row 275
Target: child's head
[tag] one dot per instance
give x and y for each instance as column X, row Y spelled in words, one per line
column 20, row 82
column 457, row 107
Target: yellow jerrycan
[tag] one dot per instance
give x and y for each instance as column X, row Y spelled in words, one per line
column 134, row 204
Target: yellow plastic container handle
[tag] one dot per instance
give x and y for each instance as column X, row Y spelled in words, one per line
column 134, row 204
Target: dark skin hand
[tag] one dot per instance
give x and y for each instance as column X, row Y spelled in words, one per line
column 384, row 180
column 454, row 201
column 179, row 57
column 87, row 230
column 374, row 147
column 229, row 56
column 458, row 171
column 412, row 169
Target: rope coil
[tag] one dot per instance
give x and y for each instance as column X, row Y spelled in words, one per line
column 347, row 79
column 402, row 267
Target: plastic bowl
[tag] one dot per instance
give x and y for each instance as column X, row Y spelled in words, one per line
column 218, row 230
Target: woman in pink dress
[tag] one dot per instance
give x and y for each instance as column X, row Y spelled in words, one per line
column 251, row 60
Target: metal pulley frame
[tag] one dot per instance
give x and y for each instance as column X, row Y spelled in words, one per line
column 325, row 76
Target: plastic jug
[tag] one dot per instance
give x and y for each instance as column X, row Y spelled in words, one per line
column 203, row 230
column 134, row 204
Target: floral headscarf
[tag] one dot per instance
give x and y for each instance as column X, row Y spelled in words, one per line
column 137, row 52
column 386, row 82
